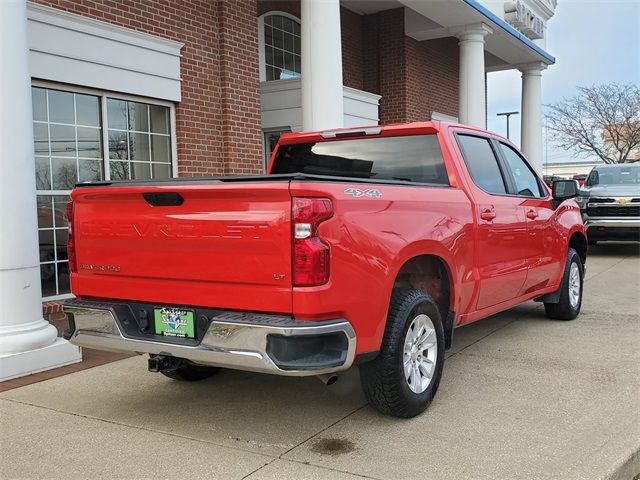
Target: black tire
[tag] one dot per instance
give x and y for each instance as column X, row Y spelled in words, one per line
column 564, row 310
column 592, row 243
column 383, row 379
column 191, row 373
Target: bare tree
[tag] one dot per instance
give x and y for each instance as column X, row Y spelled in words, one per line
column 603, row 120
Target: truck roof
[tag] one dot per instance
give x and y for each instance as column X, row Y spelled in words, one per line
column 610, row 166
column 410, row 128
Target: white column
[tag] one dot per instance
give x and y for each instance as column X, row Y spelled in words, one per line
column 28, row 343
column 472, row 106
column 322, row 92
column 531, row 116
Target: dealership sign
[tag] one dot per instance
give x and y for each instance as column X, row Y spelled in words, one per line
column 522, row 18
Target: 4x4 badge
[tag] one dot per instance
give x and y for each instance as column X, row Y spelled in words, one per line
column 357, row 193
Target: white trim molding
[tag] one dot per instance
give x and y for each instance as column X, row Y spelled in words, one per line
column 360, row 107
column 443, row 117
column 69, row 48
column 282, row 106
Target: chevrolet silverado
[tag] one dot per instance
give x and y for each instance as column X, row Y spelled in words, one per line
column 359, row 247
column 610, row 203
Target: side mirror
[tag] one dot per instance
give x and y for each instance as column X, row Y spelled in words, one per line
column 563, row 189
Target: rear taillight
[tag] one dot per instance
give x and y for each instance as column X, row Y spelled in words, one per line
column 310, row 254
column 71, row 248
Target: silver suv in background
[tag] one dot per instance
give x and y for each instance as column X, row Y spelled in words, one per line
column 610, row 203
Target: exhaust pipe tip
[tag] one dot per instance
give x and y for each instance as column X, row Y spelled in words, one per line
column 328, row 378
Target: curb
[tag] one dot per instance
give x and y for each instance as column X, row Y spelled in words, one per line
column 628, row 469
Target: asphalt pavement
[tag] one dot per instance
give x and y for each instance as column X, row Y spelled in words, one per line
column 522, row 397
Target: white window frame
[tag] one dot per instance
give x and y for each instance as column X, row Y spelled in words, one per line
column 103, row 95
column 263, row 68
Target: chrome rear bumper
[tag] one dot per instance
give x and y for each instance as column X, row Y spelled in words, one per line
column 242, row 341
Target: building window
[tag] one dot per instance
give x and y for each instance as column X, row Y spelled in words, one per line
column 139, row 140
column 69, row 144
column 279, row 46
column 271, row 138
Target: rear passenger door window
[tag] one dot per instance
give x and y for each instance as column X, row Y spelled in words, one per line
column 525, row 181
column 482, row 164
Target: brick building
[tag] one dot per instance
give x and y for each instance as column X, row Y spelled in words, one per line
column 159, row 88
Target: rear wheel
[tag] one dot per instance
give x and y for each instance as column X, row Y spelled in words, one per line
column 191, row 373
column 570, row 300
column 403, row 379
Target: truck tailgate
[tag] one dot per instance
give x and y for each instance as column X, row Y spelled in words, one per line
column 223, row 245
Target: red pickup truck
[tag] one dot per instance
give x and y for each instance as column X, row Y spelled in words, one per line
column 360, row 246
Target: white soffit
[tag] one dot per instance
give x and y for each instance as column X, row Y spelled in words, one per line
column 69, row 48
column 367, row 7
column 430, row 20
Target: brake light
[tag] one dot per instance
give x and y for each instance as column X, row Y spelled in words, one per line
column 310, row 254
column 71, row 248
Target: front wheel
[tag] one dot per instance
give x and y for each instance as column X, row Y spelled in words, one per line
column 403, row 379
column 570, row 299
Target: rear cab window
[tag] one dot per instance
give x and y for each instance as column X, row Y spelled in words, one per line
column 414, row 158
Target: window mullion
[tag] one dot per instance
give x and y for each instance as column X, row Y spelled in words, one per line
column 105, row 138
column 75, row 131
column 149, row 138
column 173, row 139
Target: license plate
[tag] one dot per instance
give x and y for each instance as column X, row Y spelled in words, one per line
column 174, row 322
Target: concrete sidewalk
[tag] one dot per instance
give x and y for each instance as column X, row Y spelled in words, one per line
column 521, row 397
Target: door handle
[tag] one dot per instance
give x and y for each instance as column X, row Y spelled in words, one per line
column 532, row 214
column 488, row 215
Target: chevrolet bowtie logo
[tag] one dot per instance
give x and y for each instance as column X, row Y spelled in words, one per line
column 623, row 201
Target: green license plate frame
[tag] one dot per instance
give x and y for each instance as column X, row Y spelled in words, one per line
column 174, row 322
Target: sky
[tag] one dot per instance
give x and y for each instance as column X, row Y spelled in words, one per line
column 593, row 41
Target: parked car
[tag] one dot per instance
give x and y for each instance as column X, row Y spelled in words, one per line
column 580, row 178
column 610, row 203
column 549, row 179
column 359, row 247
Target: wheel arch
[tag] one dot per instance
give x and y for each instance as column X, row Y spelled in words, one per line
column 431, row 271
column 578, row 241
